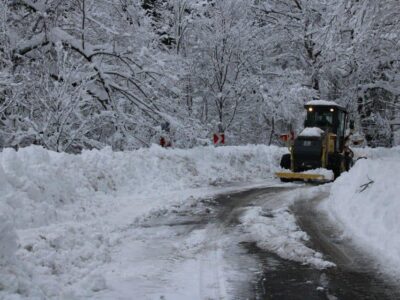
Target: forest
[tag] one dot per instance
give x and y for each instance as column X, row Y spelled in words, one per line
column 86, row 74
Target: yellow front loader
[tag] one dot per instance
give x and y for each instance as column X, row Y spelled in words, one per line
column 320, row 147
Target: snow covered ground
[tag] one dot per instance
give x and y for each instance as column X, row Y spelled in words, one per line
column 88, row 226
column 366, row 203
column 273, row 227
column 72, row 225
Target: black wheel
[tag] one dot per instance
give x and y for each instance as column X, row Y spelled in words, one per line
column 337, row 164
column 286, row 164
column 286, row 180
column 348, row 159
column 285, row 161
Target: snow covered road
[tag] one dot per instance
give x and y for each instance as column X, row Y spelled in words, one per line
column 207, row 249
column 157, row 224
column 260, row 243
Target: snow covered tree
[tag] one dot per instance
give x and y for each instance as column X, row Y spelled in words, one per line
column 86, row 74
column 289, row 63
column 364, row 68
column 120, row 71
column 220, row 48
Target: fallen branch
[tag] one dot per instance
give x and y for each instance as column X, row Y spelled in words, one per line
column 366, row 185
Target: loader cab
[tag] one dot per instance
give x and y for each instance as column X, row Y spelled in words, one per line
column 328, row 116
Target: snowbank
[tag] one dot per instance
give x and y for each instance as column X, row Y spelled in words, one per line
column 45, row 193
column 377, row 153
column 366, row 202
column 41, row 182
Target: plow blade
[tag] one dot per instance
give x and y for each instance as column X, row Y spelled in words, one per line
column 301, row 176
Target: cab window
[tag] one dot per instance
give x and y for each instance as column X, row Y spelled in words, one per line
column 319, row 119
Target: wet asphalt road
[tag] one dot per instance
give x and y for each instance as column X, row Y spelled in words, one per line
column 354, row 277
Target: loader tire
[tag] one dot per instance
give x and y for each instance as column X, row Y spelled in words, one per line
column 286, row 161
column 338, row 165
column 286, row 164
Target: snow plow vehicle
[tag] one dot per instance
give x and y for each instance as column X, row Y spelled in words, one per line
column 321, row 151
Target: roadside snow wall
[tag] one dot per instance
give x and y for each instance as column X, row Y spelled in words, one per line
column 39, row 186
column 366, row 201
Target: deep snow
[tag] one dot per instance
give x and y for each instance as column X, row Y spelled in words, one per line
column 64, row 218
column 60, row 187
column 366, row 203
column 74, row 226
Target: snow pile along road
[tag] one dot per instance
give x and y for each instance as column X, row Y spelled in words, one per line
column 366, row 202
column 41, row 182
column 62, row 216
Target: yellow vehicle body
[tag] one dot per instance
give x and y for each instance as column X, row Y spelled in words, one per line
column 327, row 149
column 301, row 176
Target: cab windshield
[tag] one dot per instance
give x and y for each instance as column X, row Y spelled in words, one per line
column 319, row 119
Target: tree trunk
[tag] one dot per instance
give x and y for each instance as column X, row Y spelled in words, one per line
column 272, row 131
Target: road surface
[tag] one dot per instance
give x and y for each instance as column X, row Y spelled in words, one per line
column 354, row 277
column 200, row 250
